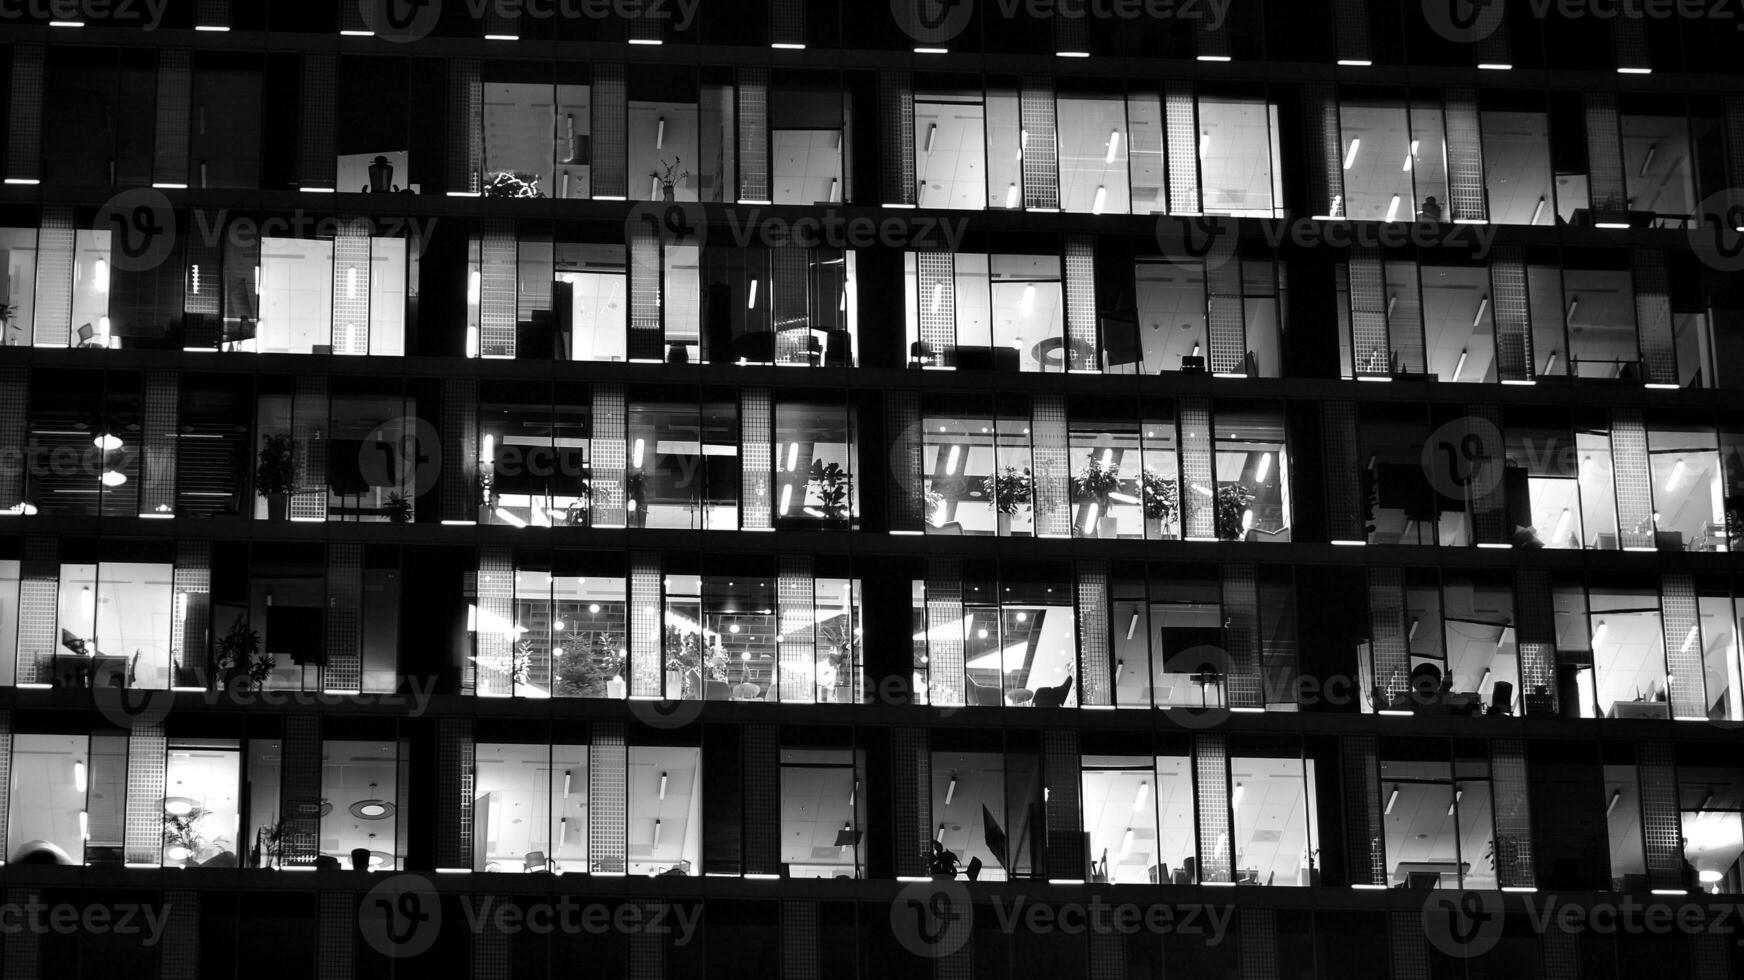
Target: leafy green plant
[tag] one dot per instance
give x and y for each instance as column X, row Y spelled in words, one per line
column 1095, row 482
column 683, row 649
column 1009, row 489
column 277, row 470
column 1162, row 496
column 1233, row 500
column 671, row 176
column 398, row 508
column 506, row 183
column 237, row 650
column 590, row 660
column 833, row 484
column 184, row 830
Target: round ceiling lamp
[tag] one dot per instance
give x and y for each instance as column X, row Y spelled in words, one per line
column 178, row 806
column 372, row 809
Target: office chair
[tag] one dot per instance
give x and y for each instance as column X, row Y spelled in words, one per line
column 535, row 863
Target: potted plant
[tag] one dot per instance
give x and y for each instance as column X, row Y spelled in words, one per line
column 276, row 475
column 580, row 512
column 1009, row 490
column 1162, row 501
column 935, row 508
column 182, row 840
column 832, row 483
column 588, row 661
column 237, row 650
column 683, row 663
column 398, row 507
column 669, row 180
column 1233, row 500
column 1093, row 485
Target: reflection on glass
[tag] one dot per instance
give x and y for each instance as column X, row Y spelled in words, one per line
column 48, row 822
column 359, row 793
column 202, row 819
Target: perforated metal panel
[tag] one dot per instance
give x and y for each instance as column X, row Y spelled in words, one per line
column 174, row 97
column 1181, row 120
column 1371, row 339
column 54, row 277
column 761, row 769
column 1350, row 29
column 911, row 804
column 1052, row 476
column 1605, row 186
column 799, row 941
column 14, row 397
column 609, row 454
column 465, row 126
column 5, row 763
column 796, row 600
column 786, row 21
column 1514, row 355
column 936, row 281
column 1489, row 497
column 456, row 764
column 757, row 466
column 608, row 774
column 1259, row 944
column 147, row 755
column 310, row 432
column 300, row 788
column 1629, row 42
column 647, row 638
column 1322, row 133
column 1559, row 954
column 344, row 670
column 647, row 337
column 1213, row 38
column 351, row 292
column 1344, row 493
column 1661, row 820
column 753, row 105
column 460, row 496
column 38, row 610
column 1465, row 157
column 611, row 130
column 497, row 274
column 898, row 180
column 1081, row 334
column 1734, row 130
column 1632, row 478
column 1227, row 324
column 1535, row 617
column 1095, row 649
column 1107, row 955
column 1064, row 769
column 1684, row 649
column 490, row 948
column 1241, row 635
column 191, row 626
column 22, row 947
column 502, row 20
column 215, row 13
column 1041, row 152
column 1071, row 34
column 1653, row 317
column 1367, row 854
column 179, row 958
column 1410, row 955
column 1211, row 795
column 944, row 643
column 647, row 947
column 1388, row 632
column 157, row 488
column 1198, row 508
column 317, row 162
column 1510, row 792
column 905, row 502
column 335, row 926
column 24, row 118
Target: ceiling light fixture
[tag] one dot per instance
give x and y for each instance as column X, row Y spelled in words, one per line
column 1350, row 154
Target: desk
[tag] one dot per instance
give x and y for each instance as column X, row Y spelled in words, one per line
column 1449, row 871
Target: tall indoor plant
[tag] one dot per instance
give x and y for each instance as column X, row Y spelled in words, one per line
column 276, row 475
column 833, row 486
column 1010, row 490
column 1162, row 501
column 1233, row 500
column 1094, row 484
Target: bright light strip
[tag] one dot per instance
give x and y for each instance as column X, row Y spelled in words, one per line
column 751, row 301
column 1393, row 209
column 1010, row 196
column 1519, row 889
column 1354, row 63
column 79, row 782
column 786, row 499
column 1126, row 844
column 1391, row 799
column 1483, row 308
column 1676, row 477
column 1494, row 66
column 510, row 517
column 932, row 50
column 792, row 456
column 167, row 186
column 1537, row 212
column 1264, row 469
column 66, row 23
column 1599, row 633
column 652, row 42
column 1101, row 199
column 1350, row 154
column 932, row 138
column 357, row 34
column 1113, row 146
column 953, row 459
column 502, row 37
column 1220, row 58
column 85, row 825
column 1616, row 796
column 1072, row 54
column 1027, row 305
column 1661, row 386
column 1690, row 638
column 951, row 791
column 1612, row 225
column 1235, row 797
column 636, row 453
column 1637, row 71
column 788, row 46
column 1459, row 369
column 23, row 181
column 1563, row 524
column 317, row 190
column 213, row 28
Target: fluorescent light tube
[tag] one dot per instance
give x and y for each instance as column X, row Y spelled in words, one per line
column 1459, row 369
column 1350, row 154
column 1483, row 307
